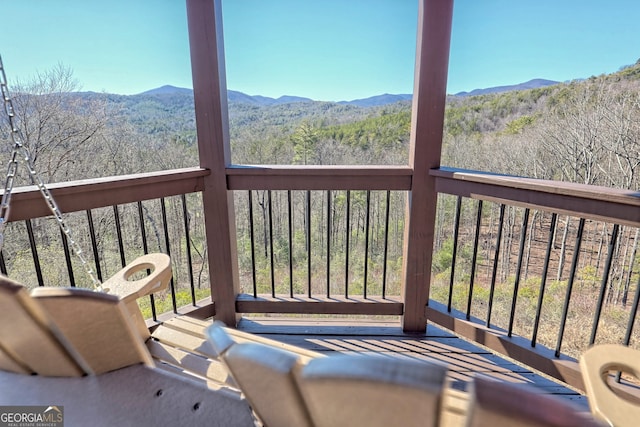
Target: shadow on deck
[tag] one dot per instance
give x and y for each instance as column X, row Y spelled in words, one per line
column 464, row 359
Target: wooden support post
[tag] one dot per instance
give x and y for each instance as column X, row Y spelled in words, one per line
column 210, row 96
column 429, row 96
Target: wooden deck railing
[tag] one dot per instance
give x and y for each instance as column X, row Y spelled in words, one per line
column 423, row 180
column 108, row 217
column 325, row 178
column 581, row 204
column 581, row 201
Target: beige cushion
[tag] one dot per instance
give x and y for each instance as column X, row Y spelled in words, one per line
column 369, row 390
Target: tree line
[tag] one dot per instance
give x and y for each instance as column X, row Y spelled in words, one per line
column 585, row 132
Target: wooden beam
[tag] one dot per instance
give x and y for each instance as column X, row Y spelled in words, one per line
column 334, row 305
column 210, row 98
column 359, row 177
column 429, row 96
column 74, row 196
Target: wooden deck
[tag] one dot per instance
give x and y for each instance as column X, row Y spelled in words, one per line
column 349, row 335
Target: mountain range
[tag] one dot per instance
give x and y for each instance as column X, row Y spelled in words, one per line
column 531, row 84
column 373, row 101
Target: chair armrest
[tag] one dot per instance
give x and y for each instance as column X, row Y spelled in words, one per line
column 596, row 364
column 127, row 290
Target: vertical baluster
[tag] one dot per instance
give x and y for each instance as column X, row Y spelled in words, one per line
column 516, row 284
column 67, row 259
column 496, row 257
column 308, row 231
column 165, row 227
column 145, row 249
column 187, row 237
column 328, row 243
column 253, row 246
column 543, row 278
column 94, row 244
column 271, row 259
column 366, row 244
column 290, row 212
column 632, row 315
column 34, row 252
column 603, row 284
column 386, row 246
column 572, row 275
column 456, row 231
column 474, row 258
column 116, row 215
column 143, row 228
column 347, row 240
column 3, row 266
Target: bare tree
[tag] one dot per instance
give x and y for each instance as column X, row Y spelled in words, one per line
column 574, row 132
column 623, row 121
column 59, row 127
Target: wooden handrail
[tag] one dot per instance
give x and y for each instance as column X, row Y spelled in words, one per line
column 589, row 201
column 581, row 200
column 74, row 196
column 298, row 177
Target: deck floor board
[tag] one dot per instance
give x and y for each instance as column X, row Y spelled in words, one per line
column 386, row 338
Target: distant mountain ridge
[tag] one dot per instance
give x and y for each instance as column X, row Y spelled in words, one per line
column 372, row 101
column 236, row 96
column 167, row 90
column 531, row 84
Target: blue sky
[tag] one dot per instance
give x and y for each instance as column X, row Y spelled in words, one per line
column 325, row 50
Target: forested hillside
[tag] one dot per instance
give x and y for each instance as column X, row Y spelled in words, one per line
column 583, row 131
